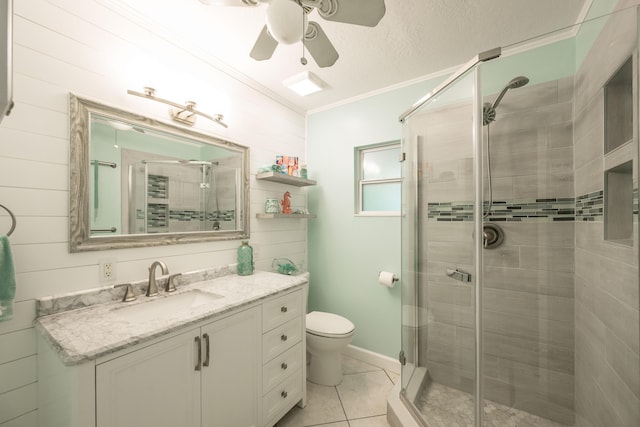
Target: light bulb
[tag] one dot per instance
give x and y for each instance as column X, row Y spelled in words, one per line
column 286, row 21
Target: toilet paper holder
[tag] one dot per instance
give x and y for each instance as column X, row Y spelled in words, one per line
column 387, row 279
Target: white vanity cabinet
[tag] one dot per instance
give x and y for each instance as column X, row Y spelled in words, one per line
column 155, row 386
column 242, row 368
column 206, row 377
column 283, row 356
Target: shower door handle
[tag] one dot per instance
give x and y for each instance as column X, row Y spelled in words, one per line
column 459, row 275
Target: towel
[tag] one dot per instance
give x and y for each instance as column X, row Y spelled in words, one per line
column 7, row 280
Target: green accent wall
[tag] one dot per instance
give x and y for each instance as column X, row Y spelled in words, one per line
column 346, row 252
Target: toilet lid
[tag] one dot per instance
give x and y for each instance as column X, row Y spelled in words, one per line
column 328, row 323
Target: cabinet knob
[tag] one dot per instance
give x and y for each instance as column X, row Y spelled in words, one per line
column 283, row 337
column 284, row 366
column 283, row 309
column 283, row 394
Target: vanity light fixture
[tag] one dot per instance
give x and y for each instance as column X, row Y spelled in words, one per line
column 305, row 83
column 185, row 114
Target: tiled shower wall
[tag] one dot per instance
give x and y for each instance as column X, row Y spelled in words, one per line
column 538, row 339
column 606, row 307
column 528, row 286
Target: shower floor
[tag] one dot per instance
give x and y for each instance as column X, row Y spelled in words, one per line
column 444, row 406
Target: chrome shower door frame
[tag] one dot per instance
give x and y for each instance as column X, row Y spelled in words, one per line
column 411, row 244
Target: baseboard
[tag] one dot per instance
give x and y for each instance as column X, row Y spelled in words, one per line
column 376, row 359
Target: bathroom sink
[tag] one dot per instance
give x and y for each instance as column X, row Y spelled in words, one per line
column 168, row 305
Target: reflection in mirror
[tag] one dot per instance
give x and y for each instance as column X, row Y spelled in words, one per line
column 140, row 182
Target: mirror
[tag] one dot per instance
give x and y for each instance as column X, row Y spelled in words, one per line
column 139, row 182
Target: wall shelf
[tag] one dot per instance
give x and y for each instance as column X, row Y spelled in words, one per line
column 287, row 216
column 285, row 179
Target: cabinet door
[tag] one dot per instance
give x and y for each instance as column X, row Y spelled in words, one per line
column 155, row 386
column 231, row 384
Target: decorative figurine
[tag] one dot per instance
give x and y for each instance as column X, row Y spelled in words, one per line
column 286, row 203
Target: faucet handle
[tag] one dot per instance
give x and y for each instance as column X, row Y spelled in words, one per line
column 171, row 286
column 129, row 295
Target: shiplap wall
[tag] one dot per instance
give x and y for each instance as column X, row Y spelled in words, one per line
column 84, row 47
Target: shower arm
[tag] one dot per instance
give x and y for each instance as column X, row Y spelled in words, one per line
column 499, row 97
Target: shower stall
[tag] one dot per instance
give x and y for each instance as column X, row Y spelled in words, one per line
column 520, row 286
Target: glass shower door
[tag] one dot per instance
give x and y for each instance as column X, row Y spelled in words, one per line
column 439, row 379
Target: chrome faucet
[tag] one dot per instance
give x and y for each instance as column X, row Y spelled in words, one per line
column 152, row 289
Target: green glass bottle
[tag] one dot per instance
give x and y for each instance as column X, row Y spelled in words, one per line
column 245, row 259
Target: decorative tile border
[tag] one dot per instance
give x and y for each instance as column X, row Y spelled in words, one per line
column 189, row 215
column 553, row 209
column 158, row 186
column 590, row 206
column 587, row 207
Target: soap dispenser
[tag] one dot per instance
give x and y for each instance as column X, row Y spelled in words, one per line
column 245, row 259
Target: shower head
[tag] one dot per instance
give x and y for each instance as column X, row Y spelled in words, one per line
column 514, row 83
column 489, row 110
column 517, row 82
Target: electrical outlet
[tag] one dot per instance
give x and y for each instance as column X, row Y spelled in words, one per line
column 107, row 271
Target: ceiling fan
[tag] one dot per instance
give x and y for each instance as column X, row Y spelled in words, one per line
column 287, row 23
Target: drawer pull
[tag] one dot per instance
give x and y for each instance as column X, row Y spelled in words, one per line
column 284, row 366
column 283, row 394
column 284, row 337
column 284, row 309
column 199, row 362
column 205, row 337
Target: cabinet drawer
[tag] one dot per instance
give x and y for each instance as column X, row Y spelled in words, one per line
column 281, row 310
column 282, row 397
column 281, row 338
column 281, row 367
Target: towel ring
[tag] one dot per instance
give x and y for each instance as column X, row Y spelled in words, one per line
column 13, row 219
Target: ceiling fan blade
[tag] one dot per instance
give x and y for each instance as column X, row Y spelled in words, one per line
column 319, row 46
column 264, row 46
column 358, row 12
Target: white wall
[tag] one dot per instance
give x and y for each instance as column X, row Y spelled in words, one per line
column 63, row 46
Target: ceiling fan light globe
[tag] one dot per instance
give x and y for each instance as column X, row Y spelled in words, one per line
column 286, row 21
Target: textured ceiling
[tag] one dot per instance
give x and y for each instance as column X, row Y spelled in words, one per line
column 414, row 39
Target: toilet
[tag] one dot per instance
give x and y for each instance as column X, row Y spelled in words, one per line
column 327, row 336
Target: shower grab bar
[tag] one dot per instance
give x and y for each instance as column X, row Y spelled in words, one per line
column 101, row 163
column 481, row 57
column 104, row 230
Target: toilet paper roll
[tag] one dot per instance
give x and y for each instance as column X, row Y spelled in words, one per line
column 387, row 279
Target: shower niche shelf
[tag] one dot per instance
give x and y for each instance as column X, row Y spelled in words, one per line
column 618, row 107
column 618, row 204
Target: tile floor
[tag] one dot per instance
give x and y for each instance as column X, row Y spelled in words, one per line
column 359, row 401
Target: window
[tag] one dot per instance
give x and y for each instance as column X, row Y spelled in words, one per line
column 378, row 179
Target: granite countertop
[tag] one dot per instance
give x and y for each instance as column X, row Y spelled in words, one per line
column 88, row 333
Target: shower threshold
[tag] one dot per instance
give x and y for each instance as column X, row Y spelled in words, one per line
column 444, row 406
